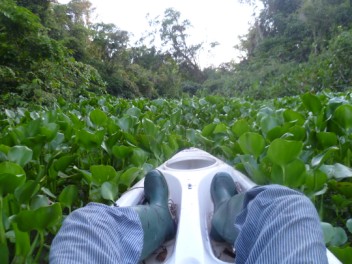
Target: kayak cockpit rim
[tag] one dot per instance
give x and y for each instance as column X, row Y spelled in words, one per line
column 191, row 163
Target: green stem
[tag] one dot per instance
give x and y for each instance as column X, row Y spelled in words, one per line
column 2, row 228
column 321, row 208
column 41, row 236
column 4, row 250
column 34, row 244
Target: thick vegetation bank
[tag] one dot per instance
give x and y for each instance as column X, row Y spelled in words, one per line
column 54, row 160
column 49, row 49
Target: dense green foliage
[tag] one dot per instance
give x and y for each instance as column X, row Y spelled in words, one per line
column 48, row 49
column 292, row 47
column 33, row 65
column 55, row 160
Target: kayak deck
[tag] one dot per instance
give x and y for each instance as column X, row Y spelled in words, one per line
column 188, row 175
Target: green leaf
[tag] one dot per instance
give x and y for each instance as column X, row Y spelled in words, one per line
column 12, row 176
column 127, row 123
column 295, row 174
column 339, row 237
column 176, row 116
column 129, row 176
column 292, row 174
column 20, row 155
column 109, row 191
column 49, row 131
column 349, row 225
column 68, row 196
column 340, row 201
column 88, row 139
column 220, row 128
column 102, row 173
column 39, row 201
column 337, row 171
column 240, row 127
column 228, row 151
column 298, row 133
column 316, row 180
column 208, row 130
column 98, row 117
column 343, row 254
column 326, row 139
column 252, row 143
column 39, row 219
column 48, row 192
column 191, row 136
column 267, row 123
column 25, row 192
column 283, row 151
column 328, row 232
column 253, row 169
column 322, row 157
column 4, row 149
column 344, row 188
column 172, row 141
column 139, row 156
column 57, row 142
column 149, row 127
column 202, row 101
column 343, row 116
column 293, row 117
column 312, row 103
column 133, row 111
column 167, row 152
column 63, row 162
column 10, row 114
column 122, row 152
column 86, row 174
column 276, row 132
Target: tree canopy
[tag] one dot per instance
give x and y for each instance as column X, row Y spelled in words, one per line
column 49, row 49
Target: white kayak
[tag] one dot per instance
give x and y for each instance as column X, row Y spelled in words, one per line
column 188, row 175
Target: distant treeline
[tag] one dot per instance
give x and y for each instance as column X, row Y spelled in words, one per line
column 50, row 50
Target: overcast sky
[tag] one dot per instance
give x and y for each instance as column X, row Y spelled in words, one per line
column 222, row 21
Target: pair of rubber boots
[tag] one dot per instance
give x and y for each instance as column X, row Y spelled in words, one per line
column 158, row 224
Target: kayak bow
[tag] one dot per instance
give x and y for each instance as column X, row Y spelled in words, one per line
column 188, row 175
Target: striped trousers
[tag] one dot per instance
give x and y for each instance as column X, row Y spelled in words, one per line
column 276, row 225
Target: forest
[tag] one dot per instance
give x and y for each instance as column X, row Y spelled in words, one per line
column 86, row 112
column 50, row 49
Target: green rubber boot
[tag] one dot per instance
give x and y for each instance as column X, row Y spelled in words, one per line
column 227, row 205
column 157, row 222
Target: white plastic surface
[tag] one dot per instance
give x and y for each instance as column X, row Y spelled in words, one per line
column 188, row 175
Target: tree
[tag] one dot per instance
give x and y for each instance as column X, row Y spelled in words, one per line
column 323, row 18
column 80, row 11
column 166, row 74
column 108, row 53
column 109, row 42
column 23, row 37
column 294, row 29
column 33, row 65
column 38, row 7
column 293, row 46
column 174, row 37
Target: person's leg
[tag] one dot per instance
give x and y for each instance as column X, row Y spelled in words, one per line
column 102, row 234
column 276, row 225
column 98, row 233
column 279, row 225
